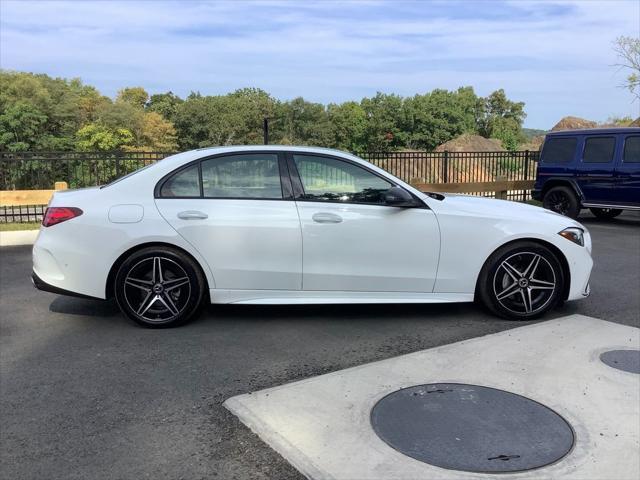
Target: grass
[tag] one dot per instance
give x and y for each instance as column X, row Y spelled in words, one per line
column 12, row 227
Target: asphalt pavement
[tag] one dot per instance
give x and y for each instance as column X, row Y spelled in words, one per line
column 84, row 393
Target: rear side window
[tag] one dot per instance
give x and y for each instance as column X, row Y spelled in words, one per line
column 599, row 149
column 559, row 150
column 632, row 150
column 185, row 183
column 242, row 176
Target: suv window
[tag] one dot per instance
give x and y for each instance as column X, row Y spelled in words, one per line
column 632, row 150
column 253, row 175
column 329, row 179
column 559, row 150
column 185, row 183
column 599, row 149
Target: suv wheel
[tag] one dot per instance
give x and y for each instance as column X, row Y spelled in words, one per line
column 521, row 281
column 562, row 200
column 606, row 213
column 159, row 287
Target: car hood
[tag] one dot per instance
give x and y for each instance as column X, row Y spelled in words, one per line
column 491, row 207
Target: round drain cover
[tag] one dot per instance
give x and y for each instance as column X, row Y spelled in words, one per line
column 471, row 428
column 626, row 360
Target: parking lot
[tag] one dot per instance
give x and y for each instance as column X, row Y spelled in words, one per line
column 86, row 394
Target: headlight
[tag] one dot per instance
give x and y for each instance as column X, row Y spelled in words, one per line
column 575, row 234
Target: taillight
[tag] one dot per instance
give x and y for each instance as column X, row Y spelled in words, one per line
column 55, row 215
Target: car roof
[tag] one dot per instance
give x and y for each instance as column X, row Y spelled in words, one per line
column 596, row 131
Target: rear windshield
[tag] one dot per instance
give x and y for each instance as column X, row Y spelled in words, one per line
column 558, row 150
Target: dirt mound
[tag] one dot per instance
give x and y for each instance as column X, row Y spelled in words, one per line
column 471, row 143
column 573, row 123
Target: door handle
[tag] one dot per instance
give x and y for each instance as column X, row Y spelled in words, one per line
column 192, row 215
column 324, row 217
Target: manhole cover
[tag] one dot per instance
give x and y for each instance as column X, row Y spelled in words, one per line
column 471, row 428
column 626, row 360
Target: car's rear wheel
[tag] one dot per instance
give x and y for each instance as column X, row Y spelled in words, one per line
column 521, row 281
column 562, row 200
column 159, row 287
column 606, row 213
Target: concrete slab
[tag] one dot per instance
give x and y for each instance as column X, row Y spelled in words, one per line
column 18, row 237
column 322, row 425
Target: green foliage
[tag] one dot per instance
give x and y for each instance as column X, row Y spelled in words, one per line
column 38, row 112
column 439, row 116
column 94, row 137
column 135, row 96
column 501, row 118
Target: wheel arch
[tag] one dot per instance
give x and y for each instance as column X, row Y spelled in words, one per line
column 566, row 272
column 562, row 182
column 109, row 287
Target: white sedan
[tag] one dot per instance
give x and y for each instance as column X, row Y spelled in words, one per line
column 294, row 225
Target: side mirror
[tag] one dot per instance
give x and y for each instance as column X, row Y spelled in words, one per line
column 398, row 197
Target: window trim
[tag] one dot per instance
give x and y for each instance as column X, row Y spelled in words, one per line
column 624, row 149
column 590, row 137
column 298, row 188
column 285, row 182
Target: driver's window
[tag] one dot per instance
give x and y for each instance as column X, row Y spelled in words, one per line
column 326, row 179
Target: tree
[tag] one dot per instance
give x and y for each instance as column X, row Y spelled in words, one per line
column 100, row 137
column 300, row 122
column 501, row 118
column 628, row 50
column 135, row 96
column 166, row 104
column 21, row 127
column 385, row 122
column 157, row 135
column 439, row 116
column 348, row 123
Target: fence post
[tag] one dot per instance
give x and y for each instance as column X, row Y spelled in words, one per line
column 526, row 173
column 445, row 167
column 501, row 194
column 118, row 164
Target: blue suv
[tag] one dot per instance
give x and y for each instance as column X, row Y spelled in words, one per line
column 597, row 169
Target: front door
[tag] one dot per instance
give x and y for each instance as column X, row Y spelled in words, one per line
column 352, row 241
column 232, row 209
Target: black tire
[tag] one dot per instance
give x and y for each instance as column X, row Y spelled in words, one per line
column 528, row 290
column 562, row 200
column 606, row 213
column 159, row 300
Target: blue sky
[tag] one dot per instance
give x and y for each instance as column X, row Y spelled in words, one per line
column 556, row 56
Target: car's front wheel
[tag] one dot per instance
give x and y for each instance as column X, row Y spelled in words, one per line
column 159, row 287
column 521, row 281
column 606, row 213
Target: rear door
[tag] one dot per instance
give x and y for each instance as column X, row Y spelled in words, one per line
column 595, row 168
column 238, row 212
column 628, row 172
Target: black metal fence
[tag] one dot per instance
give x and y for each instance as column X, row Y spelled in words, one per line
column 40, row 170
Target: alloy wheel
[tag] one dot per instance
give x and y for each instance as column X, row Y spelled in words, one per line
column 558, row 202
column 157, row 289
column 524, row 283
